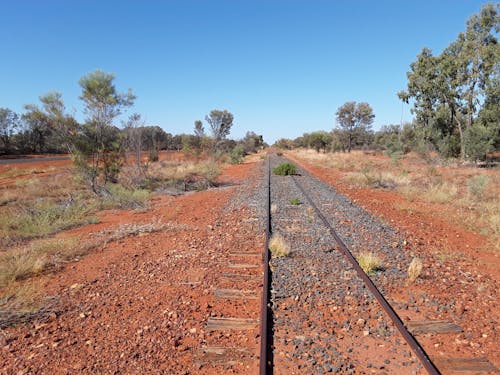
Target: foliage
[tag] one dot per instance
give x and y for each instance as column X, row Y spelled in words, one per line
column 285, row 169
column 450, row 89
column 237, row 154
column 295, row 202
column 220, row 123
column 478, row 142
column 252, row 142
column 101, row 148
column 354, row 118
column 477, row 184
column 9, row 123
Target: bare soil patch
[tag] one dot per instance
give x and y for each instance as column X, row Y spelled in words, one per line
column 139, row 303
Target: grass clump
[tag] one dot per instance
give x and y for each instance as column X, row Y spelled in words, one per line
column 369, row 262
column 285, row 169
column 278, row 246
column 441, row 193
column 122, row 197
column 477, row 184
column 414, row 269
column 34, row 259
column 295, row 201
column 44, row 217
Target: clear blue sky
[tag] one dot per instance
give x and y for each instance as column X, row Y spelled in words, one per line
column 281, row 67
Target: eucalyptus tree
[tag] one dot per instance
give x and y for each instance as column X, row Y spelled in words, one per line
column 9, row 124
column 460, row 80
column 352, row 118
column 103, row 103
column 220, row 123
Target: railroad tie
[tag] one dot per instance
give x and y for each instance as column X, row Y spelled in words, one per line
column 235, row 294
column 242, row 265
column 474, row 365
column 432, row 326
column 214, row 324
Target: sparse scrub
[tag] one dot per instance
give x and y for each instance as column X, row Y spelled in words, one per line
column 237, row 154
column 122, row 197
column 441, row 193
column 477, row 184
column 295, row 201
column 414, row 269
column 285, row 169
column 369, row 262
column 42, row 218
column 34, row 259
column 278, row 246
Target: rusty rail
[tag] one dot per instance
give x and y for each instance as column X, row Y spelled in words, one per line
column 414, row 345
column 266, row 338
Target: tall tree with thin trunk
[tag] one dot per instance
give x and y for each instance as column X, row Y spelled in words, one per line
column 352, row 117
column 103, row 103
column 220, row 123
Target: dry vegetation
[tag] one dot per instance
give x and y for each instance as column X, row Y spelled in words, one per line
column 369, row 262
column 278, row 246
column 472, row 192
column 34, row 209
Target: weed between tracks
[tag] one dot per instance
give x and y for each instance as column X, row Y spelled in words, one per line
column 369, row 262
column 278, row 246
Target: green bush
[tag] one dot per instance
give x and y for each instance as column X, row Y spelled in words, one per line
column 477, row 184
column 295, row 201
column 285, row 169
column 237, row 154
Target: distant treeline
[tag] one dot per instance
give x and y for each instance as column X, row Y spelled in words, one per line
column 455, row 98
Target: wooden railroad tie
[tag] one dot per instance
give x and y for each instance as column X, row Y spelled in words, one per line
column 231, row 323
column 242, row 265
column 432, row 326
column 474, row 365
column 235, row 294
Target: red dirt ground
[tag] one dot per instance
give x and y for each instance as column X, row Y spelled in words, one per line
column 127, row 307
column 460, row 270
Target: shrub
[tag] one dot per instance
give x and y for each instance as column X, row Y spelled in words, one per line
column 278, row 246
column 285, row 169
column 441, row 193
column 369, row 262
column 414, row 269
column 237, row 154
column 295, row 201
column 123, row 197
column 477, row 184
column 153, row 155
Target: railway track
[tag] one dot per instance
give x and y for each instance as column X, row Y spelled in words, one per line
column 320, row 313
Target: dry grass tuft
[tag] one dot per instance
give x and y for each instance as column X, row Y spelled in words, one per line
column 441, row 193
column 414, row 269
column 278, row 246
column 369, row 262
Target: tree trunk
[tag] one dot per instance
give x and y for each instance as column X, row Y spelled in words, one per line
column 461, row 135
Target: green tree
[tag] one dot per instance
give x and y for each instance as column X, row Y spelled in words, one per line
column 354, row 117
column 220, row 123
column 319, row 140
column 448, row 90
column 103, row 103
column 9, row 124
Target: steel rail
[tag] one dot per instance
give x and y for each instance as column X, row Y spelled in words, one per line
column 266, row 354
column 414, row 345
